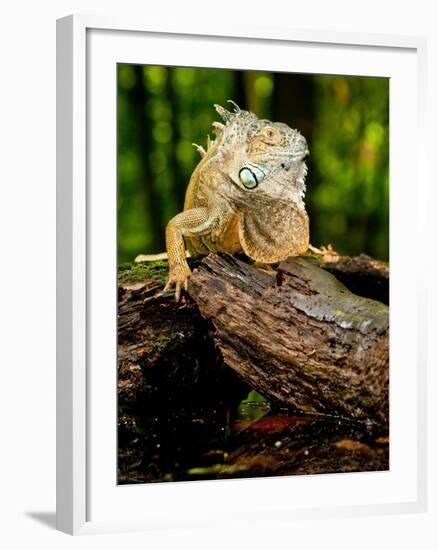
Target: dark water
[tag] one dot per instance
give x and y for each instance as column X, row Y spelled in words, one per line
column 162, row 442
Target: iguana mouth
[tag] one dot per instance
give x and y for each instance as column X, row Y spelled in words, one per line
column 301, row 155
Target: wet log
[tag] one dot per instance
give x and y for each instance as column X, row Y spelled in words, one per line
column 298, row 335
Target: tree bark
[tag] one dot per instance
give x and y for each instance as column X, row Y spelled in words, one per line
column 296, row 334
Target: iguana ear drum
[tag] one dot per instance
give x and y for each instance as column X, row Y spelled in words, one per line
column 250, row 177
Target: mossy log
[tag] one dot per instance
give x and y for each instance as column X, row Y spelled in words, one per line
column 165, row 351
column 296, row 334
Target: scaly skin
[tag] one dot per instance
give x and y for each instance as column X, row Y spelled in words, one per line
column 245, row 195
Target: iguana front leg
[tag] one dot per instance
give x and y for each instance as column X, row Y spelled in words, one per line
column 190, row 223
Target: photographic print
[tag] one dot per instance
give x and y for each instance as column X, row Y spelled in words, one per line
column 253, row 274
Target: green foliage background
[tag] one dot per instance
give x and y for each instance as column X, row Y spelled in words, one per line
column 162, row 110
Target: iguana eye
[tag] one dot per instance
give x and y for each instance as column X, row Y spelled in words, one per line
column 270, row 135
column 250, row 177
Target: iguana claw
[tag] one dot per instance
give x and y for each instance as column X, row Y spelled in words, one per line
column 179, row 281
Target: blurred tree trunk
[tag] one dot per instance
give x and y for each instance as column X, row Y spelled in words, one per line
column 253, row 102
column 138, row 97
column 178, row 187
column 240, row 91
column 293, row 101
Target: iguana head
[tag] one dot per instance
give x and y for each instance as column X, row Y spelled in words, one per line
column 265, row 162
column 264, row 157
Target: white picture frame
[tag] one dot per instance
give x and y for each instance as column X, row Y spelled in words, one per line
column 81, row 486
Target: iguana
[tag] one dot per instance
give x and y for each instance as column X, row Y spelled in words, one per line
column 245, row 195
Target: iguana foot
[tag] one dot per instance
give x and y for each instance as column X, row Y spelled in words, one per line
column 179, row 280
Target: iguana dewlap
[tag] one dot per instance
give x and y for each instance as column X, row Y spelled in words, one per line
column 245, row 195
